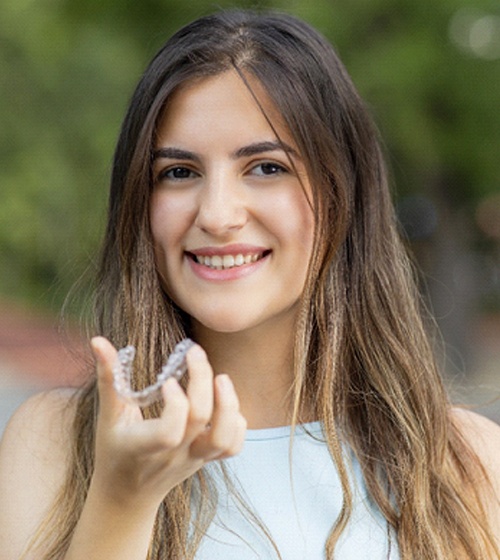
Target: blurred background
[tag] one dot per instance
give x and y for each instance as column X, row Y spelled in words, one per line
column 430, row 71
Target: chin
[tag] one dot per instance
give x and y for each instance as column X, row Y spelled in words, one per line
column 221, row 324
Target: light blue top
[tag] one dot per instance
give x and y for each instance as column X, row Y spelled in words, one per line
column 297, row 497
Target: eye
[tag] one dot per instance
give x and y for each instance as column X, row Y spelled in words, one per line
column 268, row 168
column 177, row 173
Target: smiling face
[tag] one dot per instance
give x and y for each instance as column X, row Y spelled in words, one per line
column 230, row 219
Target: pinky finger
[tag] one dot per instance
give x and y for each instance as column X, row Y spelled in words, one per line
column 226, row 426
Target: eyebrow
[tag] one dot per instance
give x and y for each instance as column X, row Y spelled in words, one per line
column 174, row 153
column 262, row 147
column 245, row 151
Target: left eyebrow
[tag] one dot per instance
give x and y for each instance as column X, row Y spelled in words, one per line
column 262, row 147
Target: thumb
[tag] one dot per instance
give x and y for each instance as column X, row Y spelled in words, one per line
column 105, row 354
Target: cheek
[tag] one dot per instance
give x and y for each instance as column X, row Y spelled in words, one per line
column 169, row 218
column 168, row 224
column 295, row 220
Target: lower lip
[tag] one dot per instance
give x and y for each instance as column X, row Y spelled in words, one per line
column 224, row 275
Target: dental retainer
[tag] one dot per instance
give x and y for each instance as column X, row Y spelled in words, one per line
column 122, row 374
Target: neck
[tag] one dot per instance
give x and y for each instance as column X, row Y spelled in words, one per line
column 260, row 364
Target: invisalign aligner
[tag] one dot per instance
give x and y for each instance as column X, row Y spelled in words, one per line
column 122, row 374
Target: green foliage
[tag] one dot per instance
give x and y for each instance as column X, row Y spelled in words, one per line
column 436, row 104
column 67, row 69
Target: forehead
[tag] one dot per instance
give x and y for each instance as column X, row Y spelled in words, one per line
column 223, row 102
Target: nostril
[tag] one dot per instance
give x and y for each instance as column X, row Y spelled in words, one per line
column 220, row 218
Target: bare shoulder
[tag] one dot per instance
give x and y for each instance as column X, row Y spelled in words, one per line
column 40, row 424
column 34, row 453
column 483, row 436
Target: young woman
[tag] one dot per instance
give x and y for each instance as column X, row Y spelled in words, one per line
column 249, row 210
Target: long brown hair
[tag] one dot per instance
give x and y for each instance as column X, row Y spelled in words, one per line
column 363, row 361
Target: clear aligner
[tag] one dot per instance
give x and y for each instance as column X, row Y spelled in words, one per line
column 122, row 374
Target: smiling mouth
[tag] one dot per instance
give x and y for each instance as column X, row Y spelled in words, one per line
column 225, row 262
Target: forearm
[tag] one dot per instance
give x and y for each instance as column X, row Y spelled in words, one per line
column 112, row 531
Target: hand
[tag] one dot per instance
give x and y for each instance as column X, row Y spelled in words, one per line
column 139, row 461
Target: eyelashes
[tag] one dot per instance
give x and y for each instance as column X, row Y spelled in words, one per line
column 182, row 173
column 268, row 168
column 177, row 173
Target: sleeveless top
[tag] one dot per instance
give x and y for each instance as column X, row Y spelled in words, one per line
column 296, row 497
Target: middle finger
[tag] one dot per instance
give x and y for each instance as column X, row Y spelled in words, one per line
column 199, row 391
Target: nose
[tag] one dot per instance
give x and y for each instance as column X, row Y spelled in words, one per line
column 221, row 206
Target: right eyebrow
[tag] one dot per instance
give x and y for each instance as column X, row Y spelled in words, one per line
column 175, row 153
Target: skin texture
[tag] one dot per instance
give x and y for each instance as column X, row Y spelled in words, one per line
column 33, row 459
column 484, row 437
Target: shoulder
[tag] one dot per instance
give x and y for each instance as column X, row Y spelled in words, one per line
column 482, row 434
column 39, row 423
column 483, row 437
column 34, row 453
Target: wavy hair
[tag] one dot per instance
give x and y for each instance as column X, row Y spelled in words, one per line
column 363, row 361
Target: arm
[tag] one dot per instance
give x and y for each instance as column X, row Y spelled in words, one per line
column 32, row 467
column 139, row 461
column 483, row 436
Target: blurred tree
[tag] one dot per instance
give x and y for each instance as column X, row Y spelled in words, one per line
column 431, row 73
column 429, row 70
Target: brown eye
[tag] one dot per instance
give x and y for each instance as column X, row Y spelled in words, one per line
column 177, row 173
column 268, row 168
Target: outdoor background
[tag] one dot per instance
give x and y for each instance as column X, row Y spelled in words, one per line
column 429, row 69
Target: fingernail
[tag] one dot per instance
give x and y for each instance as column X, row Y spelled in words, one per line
column 197, row 351
column 224, row 383
column 172, row 387
column 96, row 345
column 94, row 341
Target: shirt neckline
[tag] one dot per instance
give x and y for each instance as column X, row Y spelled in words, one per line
column 284, row 432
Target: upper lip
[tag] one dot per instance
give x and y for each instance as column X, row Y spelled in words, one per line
column 235, row 249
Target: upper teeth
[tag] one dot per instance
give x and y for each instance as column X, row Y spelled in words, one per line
column 220, row 262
